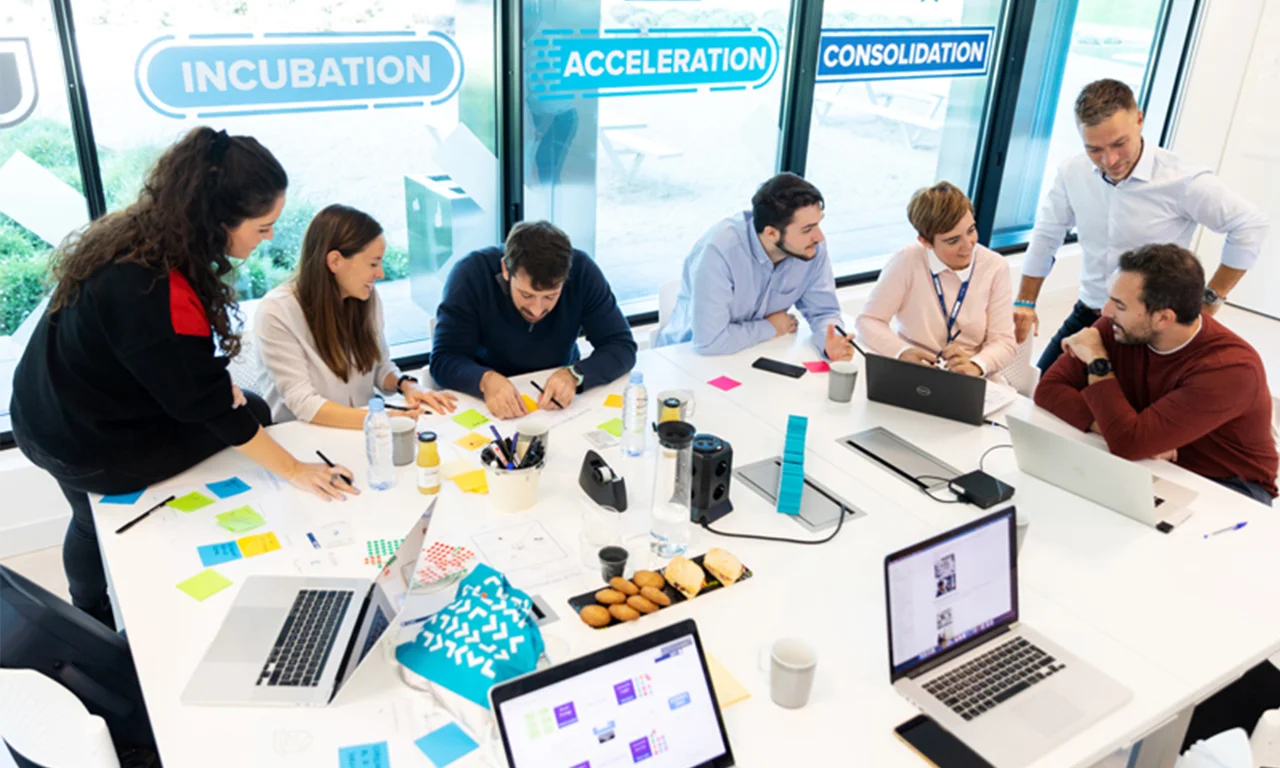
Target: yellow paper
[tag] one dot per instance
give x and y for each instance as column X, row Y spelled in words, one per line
column 472, row 482
column 454, row 468
column 471, row 442
column 251, row 546
column 613, row 401
column 728, row 690
column 530, row 405
column 204, row 584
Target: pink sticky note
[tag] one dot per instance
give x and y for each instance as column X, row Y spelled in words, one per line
column 817, row 366
column 724, row 383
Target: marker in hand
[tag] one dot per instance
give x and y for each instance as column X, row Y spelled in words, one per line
column 1235, row 527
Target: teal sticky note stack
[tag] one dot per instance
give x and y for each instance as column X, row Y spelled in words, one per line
column 791, row 484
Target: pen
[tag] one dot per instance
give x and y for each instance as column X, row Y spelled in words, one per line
column 394, row 407
column 542, row 391
column 139, row 518
column 995, row 423
column 330, row 463
column 1235, row 527
column 840, row 331
column 515, row 447
column 502, row 447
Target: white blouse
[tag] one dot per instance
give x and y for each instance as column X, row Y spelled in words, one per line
column 300, row 381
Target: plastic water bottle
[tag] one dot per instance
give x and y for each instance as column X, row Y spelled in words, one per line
column 635, row 415
column 377, row 446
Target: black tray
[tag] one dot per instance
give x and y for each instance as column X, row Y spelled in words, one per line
column 578, row 602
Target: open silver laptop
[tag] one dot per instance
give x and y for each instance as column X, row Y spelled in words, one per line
column 1098, row 476
column 295, row 640
column 958, row 652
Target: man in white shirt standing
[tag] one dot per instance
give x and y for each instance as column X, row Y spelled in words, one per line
column 1122, row 194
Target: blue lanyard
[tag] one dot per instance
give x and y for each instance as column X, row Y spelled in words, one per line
column 955, row 309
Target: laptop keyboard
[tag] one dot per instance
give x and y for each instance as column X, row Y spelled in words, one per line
column 303, row 645
column 994, row 677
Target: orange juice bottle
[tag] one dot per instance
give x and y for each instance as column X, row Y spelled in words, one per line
column 428, row 464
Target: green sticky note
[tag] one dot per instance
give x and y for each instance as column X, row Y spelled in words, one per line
column 242, row 519
column 191, row 502
column 204, row 584
column 471, row 419
column 612, row 426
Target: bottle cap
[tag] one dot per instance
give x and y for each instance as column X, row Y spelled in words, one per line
column 637, row 377
column 376, row 405
column 426, row 437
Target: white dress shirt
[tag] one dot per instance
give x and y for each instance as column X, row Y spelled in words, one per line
column 1163, row 200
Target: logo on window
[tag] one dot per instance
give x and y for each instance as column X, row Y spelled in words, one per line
column 884, row 54
column 213, row 75
column 591, row 64
column 18, row 91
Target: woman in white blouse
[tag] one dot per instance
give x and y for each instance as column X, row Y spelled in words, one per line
column 320, row 334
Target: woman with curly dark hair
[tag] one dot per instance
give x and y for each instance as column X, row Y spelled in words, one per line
column 121, row 384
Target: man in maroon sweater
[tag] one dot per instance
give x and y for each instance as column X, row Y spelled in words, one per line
column 1158, row 379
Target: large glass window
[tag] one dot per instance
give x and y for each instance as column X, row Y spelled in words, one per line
column 389, row 109
column 646, row 122
column 884, row 124
column 41, row 193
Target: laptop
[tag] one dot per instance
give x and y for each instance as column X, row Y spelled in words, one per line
column 1097, row 475
column 958, row 652
column 934, row 391
column 296, row 640
column 646, row 699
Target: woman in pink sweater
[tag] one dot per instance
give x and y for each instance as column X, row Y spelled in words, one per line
column 949, row 299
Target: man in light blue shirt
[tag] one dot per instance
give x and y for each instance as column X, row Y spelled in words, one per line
column 749, row 270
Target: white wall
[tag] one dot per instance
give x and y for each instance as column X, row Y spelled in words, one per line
column 34, row 514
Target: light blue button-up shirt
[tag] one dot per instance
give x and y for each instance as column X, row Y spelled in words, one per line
column 729, row 285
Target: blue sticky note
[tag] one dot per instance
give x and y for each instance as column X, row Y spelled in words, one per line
column 228, row 487
column 224, row 552
column 364, row 756
column 122, row 498
column 444, row 745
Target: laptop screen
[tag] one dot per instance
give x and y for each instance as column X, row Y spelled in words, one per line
column 950, row 589
column 652, row 705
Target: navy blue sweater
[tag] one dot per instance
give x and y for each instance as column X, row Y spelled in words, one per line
column 478, row 328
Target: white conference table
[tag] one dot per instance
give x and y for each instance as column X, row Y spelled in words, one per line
column 831, row 595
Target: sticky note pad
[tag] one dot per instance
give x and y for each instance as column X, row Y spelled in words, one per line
column 818, row 366
column 205, row 583
column 612, row 426
column 613, row 401
column 122, row 498
column 472, row 441
column 470, row 419
column 728, row 690
column 252, row 546
column 724, row 383
column 472, row 482
column 364, row 756
column 445, row 745
column 191, row 502
column 530, row 405
column 241, row 519
column 229, row 487
column 216, row 554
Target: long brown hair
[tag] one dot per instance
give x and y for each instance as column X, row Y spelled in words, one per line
column 343, row 329
column 200, row 187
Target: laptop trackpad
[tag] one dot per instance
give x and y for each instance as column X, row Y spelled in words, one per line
column 247, row 635
column 1048, row 713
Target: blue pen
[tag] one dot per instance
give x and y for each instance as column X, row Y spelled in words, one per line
column 502, row 447
column 1235, row 527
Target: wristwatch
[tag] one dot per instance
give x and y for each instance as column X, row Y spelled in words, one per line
column 400, row 382
column 573, row 369
column 1212, row 299
column 1100, row 367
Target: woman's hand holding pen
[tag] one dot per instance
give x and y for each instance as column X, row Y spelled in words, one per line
column 328, row 483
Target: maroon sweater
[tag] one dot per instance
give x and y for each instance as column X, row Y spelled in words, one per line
column 1209, row 400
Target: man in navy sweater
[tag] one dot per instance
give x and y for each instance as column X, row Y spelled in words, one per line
column 508, row 311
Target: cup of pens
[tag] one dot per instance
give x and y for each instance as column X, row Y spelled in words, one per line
column 512, row 468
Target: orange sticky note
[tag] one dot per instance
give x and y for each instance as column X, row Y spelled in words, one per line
column 613, row 401
column 530, row 405
column 471, row 442
column 258, row 545
column 472, row 482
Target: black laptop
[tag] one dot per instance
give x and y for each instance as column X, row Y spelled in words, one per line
column 925, row 389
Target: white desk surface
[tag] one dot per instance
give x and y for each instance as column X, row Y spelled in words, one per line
column 1170, row 617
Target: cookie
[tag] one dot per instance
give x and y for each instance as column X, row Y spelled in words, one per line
column 595, row 615
column 624, row 586
column 642, row 604
column 610, row 597
column 648, row 579
column 623, row 613
column 655, row 596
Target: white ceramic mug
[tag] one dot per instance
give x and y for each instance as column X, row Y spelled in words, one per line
column 792, row 664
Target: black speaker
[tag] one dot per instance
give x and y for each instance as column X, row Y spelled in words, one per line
column 712, row 469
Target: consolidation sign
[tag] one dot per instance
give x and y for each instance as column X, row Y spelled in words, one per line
column 887, row 54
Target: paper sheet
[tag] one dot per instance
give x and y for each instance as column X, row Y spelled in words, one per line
column 818, row 366
column 728, row 690
column 998, row 396
column 379, row 551
column 229, row 487
column 612, row 426
column 121, row 498
column 241, row 519
column 252, row 546
column 472, row 482
column 191, row 502
column 202, row 585
column 364, row 756
column 452, row 469
column 530, row 404
column 217, row 554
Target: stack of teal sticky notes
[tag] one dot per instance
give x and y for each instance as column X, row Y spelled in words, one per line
column 791, row 483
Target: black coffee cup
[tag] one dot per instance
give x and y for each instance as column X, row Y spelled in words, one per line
column 613, row 562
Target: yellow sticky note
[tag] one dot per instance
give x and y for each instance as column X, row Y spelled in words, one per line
column 454, row 468
column 262, row 543
column 204, row 584
column 613, row 401
column 472, row 441
column 530, row 405
column 728, row 690
column 472, row 482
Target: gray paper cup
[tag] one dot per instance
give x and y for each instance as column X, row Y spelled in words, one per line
column 840, row 380
column 404, row 440
column 791, row 668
